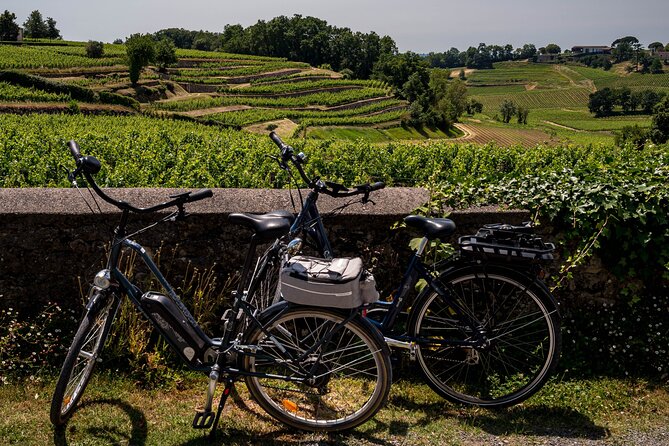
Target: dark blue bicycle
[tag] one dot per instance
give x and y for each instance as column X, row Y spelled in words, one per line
column 485, row 329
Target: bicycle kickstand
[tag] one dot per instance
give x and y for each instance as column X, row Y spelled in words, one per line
column 229, row 384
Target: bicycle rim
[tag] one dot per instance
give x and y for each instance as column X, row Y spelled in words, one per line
column 87, row 345
column 521, row 324
column 348, row 378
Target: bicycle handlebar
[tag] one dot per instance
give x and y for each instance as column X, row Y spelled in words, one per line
column 328, row 188
column 89, row 165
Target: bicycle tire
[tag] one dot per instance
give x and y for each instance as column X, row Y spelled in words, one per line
column 267, row 290
column 352, row 371
column 79, row 363
column 521, row 321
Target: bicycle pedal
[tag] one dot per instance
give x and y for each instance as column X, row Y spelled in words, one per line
column 203, row 419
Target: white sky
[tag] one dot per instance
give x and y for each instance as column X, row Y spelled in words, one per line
column 418, row 25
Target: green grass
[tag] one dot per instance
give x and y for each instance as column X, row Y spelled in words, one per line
column 582, row 119
column 509, row 73
column 115, row 411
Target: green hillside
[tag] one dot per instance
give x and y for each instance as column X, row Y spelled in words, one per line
column 557, row 98
column 233, row 90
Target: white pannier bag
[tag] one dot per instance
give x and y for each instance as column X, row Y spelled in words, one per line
column 335, row 283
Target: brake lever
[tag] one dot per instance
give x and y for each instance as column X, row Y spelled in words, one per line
column 72, row 175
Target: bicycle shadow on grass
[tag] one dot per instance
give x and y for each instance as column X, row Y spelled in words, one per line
column 538, row 421
column 105, row 433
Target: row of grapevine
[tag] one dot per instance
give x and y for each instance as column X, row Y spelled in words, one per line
column 316, row 99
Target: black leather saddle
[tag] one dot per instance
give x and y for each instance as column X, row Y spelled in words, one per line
column 265, row 226
column 432, row 228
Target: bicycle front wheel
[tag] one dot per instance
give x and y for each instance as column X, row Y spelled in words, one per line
column 341, row 379
column 519, row 320
column 81, row 358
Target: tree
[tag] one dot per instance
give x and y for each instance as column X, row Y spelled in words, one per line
column 35, row 27
column 165, row 53
column 52, row 32
column 601, row 102
column 94, row 49
column 656, row 46
column 9, row 30
column 141, row 52
column 659, row 130
column 474, row 106
column 521, row 114
column 632, row 134
column 649, row 100
column 507, row 109
column 526, row 52
column 552, row 48
column 656, row 66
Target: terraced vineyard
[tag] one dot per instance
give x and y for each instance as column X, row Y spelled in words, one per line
column 261, row 93
column 228, row 89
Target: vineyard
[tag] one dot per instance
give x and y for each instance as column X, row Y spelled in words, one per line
column 254, row 93
column 556, row 97
column 233, row 90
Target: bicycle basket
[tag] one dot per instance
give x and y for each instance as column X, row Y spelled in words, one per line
column 506, row 242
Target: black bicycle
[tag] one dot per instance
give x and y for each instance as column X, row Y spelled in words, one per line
column 312, row 368
column 485, row 329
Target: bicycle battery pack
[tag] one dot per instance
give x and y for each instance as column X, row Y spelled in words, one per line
column 179, row 327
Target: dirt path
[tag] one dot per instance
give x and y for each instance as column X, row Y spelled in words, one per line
column 285, row 127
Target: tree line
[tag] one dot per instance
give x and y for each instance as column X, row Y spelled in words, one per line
column 298, row 38
column 35, row 27
column 603, row 102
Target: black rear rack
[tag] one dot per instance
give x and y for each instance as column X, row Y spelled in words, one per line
column 508, row 243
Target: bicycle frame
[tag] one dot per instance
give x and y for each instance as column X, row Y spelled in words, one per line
column 310, row 221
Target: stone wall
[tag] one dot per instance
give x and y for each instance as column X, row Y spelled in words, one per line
column 51, row 244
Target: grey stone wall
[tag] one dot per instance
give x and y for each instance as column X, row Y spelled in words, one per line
column 51, row 245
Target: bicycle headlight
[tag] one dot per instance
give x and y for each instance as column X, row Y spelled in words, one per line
column 294, row 246
column 102, row 279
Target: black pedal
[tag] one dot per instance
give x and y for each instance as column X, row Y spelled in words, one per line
column 203, row 420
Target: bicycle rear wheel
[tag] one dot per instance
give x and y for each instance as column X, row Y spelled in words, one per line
column 345, row 377
column 517, row 316
column 81, row 358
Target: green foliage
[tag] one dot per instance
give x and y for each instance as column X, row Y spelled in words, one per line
column 659, row 131
column 165, row 53
column 614, row 201
column 141, row 52
column 632, row 134
column 40, row 83
column 31, row 346
column 9, row 30
column 35, row 27
column 94, row 49
column 507, row 109
column 16, row 93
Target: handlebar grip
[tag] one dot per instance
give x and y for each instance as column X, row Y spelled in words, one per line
column 74, row 149
column 200, row 195
column 277, row 140
column 377, row 186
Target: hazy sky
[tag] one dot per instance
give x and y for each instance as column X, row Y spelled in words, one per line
column 418, row 25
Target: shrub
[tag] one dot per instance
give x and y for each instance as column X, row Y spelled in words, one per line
column 94, row 49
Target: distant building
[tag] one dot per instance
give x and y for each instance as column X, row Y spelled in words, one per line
column 19, row 37
column 590, row 49
column 663, row 55
column 547, row 58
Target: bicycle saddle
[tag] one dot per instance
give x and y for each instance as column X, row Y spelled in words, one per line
column 431, row 227
column 266, row 226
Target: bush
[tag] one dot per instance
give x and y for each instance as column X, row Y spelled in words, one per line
column 94, row 49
